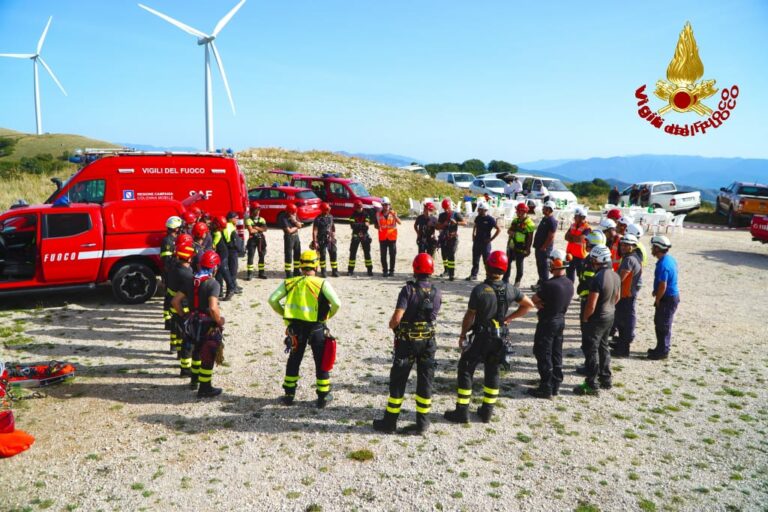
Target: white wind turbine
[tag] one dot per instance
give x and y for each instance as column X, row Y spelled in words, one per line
column 35, row 59
column 210, row 46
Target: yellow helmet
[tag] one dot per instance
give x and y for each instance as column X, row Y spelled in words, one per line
column 309, row 259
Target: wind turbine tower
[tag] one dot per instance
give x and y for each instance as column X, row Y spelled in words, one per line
column 36, row 57
column 206, row 40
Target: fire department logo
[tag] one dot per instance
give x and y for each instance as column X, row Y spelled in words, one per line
column 684, row 92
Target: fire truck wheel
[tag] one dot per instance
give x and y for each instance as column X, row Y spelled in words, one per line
column 134, row 283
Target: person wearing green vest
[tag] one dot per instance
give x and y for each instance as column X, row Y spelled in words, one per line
column 520, row 233
column 309, row 302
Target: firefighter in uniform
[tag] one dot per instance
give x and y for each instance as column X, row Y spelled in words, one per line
column 204, row 323
column 552, row 300
column 221, row 247
column 309, row 302
column 520, row 233
column 487, row 317
column 167, row 250
column 448, row 224
column 324, row 239
column 289, row 223
column 631, row 272
column 202, row 242
column 234, row 245
column 386, row 222
column 576, row 248
column 360, row 222
column 413, row 323
column 586, row 273
column 482, row 237
column 190, row 218
column 425, row 226
column 179, row 279
column 257, row 240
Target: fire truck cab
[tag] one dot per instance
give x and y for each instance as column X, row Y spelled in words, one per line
column 71, row 246
column 211, row 181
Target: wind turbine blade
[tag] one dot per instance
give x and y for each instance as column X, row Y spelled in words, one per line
column 17, row 55
column 42, row 37
column 223, row 21
column 50, row 72
column 220, row 64
column 182, row 26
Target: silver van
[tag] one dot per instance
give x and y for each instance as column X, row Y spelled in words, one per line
column 459, row 179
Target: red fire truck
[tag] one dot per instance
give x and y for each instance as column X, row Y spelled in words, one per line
column 759, row 228
column 213, row 182
column 65, row 247
column 340, row 193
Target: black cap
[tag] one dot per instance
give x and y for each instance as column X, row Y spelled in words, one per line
column 231, row 215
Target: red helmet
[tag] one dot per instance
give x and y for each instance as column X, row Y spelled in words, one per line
column 423, row 264
column 185, row 251
column 255, row 205
column 498, row 261
column 522, row 207
column 614, row 214
column 199, row 230
column 184, row 239
column 210, row 260
column 446, row 204
column 325, row 207
column 429, row 206
column 189, row 217
column 291, row 208
column 220, row 222
column 357, row 204
column 196, row 210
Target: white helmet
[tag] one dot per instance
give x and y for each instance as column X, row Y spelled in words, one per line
column 596, row 237
column 625, row 220
column 173, row 222
column 558, row 259
column 482, row 205
column 580, row 210
column 662, row 242
column 628, row 239
column 635, row 229
column 385, row 200
column 549, row 204
column 607, row 223
column 601, row 254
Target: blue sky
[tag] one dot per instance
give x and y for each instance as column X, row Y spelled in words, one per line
column 436, row 80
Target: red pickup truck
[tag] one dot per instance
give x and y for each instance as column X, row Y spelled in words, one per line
column 759, row 228
column 66, row 247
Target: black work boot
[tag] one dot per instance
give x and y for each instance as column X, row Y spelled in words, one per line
column 420, row 427
column 458, row 415
column 248, row 275
column 370, row 271
column 485, row 412
column 322, row 401
column 185, row 372
column 262, row 274
column 387, row 424
column 206, row 390
column 334, row 273
column 323, row 274
column 296, row 272
column 287, row 399
column 288, row 274
column 229, row 295
column 540, row 392
column 193, row 382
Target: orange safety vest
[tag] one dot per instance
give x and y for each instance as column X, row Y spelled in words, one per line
column 387, row 226
column 615, row 256
column 577, row 250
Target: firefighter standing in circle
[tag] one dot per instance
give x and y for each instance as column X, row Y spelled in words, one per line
column 575, row 236
column 487, row 317
column 413, row 323
column 257, row 240
column 221, row 247
column 630, row 272
column 520, row 233
column 289, row 223
column 309, row 302
column 424, row 226
column 359, row 222
column 482, row 238
column 586, row 273
column 190, row 218
column 386, row 222
column 324, row 239
column 203, row 242
column 552, row 300
column 179, row 279
column 448, row 224
column 204, row 323
column 167, row 249
column 234, row 248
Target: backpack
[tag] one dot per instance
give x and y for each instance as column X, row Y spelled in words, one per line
column 197, row 324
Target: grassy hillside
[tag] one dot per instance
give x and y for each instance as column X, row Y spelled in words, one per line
column 379, row 179
column 29, row 145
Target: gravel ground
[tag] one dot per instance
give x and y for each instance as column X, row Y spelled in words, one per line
column 688, row 433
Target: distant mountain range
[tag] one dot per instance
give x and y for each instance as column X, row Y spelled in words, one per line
column 148, row 147
column 384, row 158
column 540, row 165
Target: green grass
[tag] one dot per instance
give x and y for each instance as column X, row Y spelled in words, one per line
column 361, row 455
column 29, row 145
column 706, row 215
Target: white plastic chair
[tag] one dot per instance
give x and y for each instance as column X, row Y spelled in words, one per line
column 677, row 223
column 414, row 208
column 653, row 225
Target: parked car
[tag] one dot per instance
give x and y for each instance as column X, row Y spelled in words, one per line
column 740, row 201
column 275, row 199
column 459, row 179
column 416, row 169
column 759, row 228
column 664, row 194
column 540, row 187
column 492, row 187
column 340, row 193
column 75, row 246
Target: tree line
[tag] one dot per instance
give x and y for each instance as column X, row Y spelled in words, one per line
column 472, row 166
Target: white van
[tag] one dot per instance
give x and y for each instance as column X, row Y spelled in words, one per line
column 540, row 187
column 416, row 169
column 459, row 179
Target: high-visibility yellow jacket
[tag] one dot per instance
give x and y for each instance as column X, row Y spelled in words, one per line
column 307, row 298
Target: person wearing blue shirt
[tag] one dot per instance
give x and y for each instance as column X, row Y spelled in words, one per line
column 666, row 295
